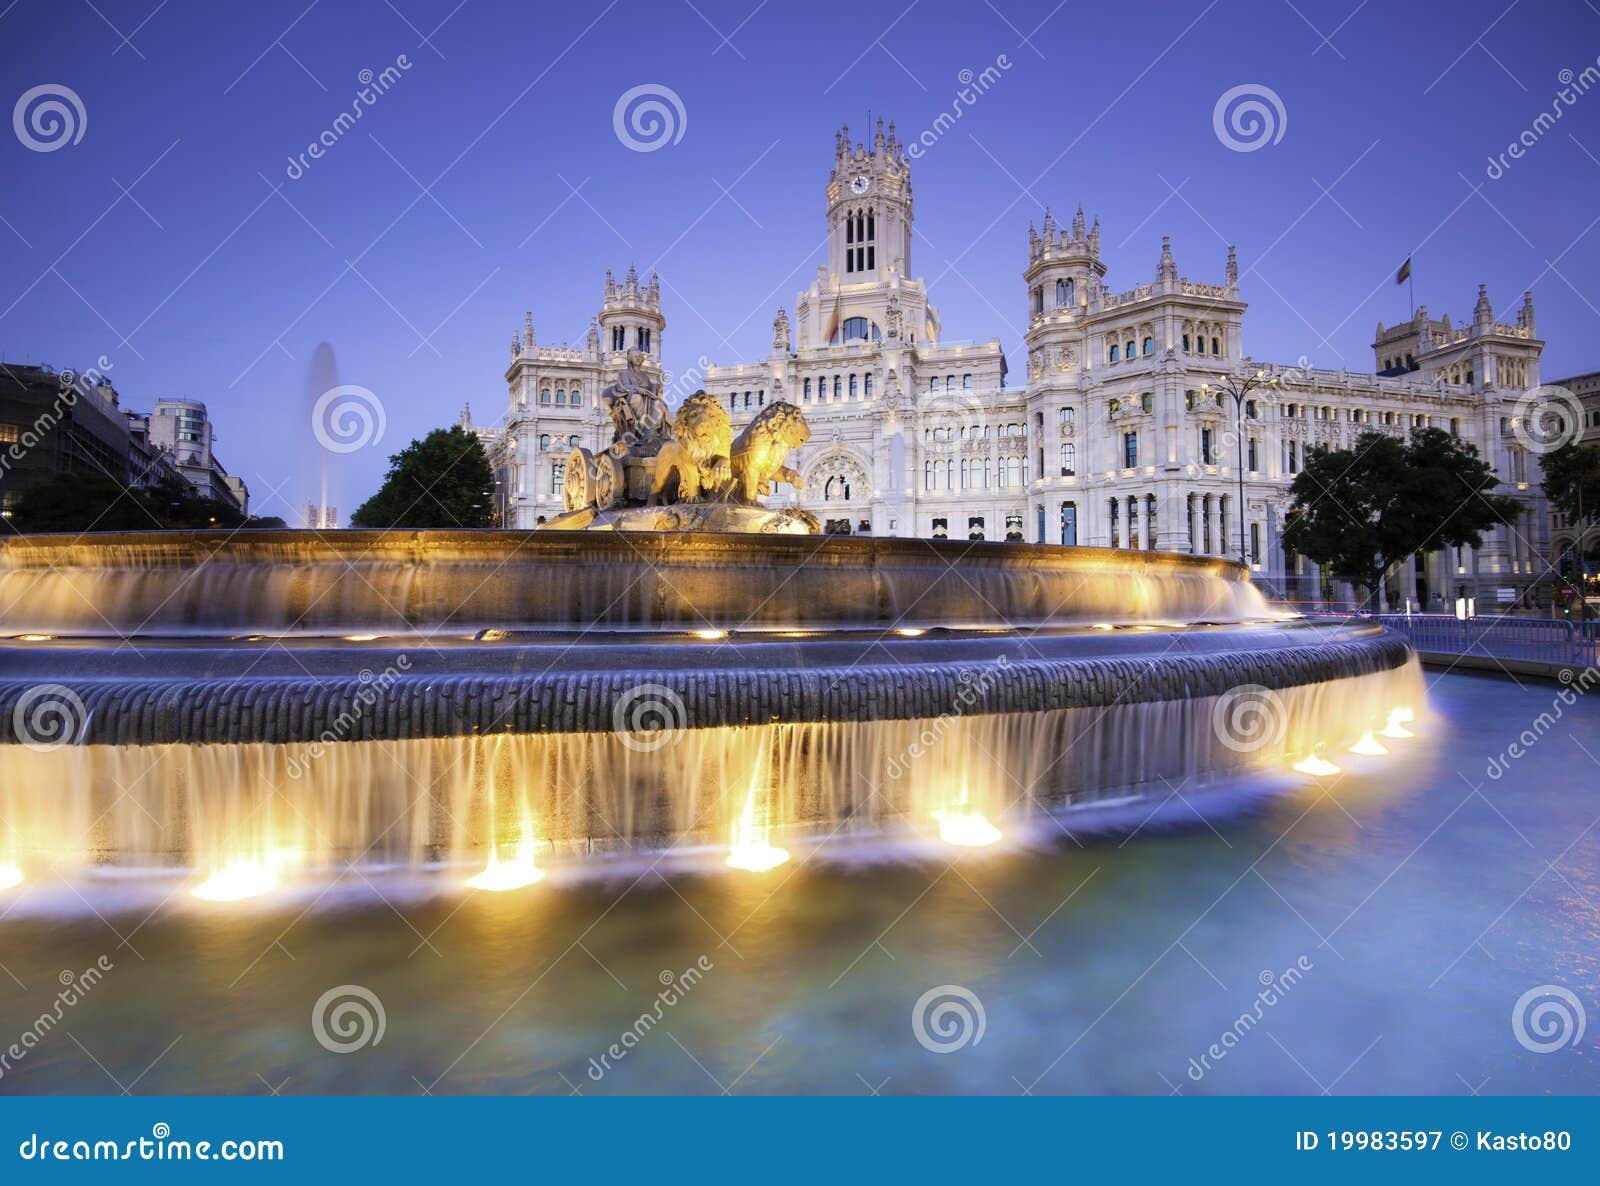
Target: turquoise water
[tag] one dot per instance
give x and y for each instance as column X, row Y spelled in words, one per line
column 1401, row 912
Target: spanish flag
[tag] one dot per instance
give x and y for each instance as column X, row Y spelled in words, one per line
column 1404, row 273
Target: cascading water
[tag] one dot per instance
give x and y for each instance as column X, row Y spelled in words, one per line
column 800, row 706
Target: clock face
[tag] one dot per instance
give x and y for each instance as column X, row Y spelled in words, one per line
column 859, row 184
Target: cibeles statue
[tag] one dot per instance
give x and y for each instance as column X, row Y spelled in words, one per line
column 637, row 411
column 699, row 477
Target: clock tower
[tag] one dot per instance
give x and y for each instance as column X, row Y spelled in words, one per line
column 865, row 291
column 869, row 209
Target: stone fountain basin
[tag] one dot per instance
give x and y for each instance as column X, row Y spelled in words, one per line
column 234, row 690
column 137, row 583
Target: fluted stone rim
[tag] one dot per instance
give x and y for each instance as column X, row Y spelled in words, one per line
column 283, row 710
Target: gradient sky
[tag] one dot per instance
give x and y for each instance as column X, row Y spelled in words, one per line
column 170, row 240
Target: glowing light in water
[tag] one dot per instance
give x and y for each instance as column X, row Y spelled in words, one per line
column 34, row 637
column 246, row 878
column 10, row 877
column 1102, row 626
column 751, row 850
column 911, row 631
column 711, row 635
column 521, row 871
column 235, row 881
column 361, row 637
column 1370, row 746
column 1398, row 719
column 965, row 827
column 1313, row 764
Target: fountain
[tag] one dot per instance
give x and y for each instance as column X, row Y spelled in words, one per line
column 256, row 706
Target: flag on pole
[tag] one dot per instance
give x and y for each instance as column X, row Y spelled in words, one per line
column 1404, row 273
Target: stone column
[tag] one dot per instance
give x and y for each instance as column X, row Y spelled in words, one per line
column 1196, row 509
column 1408, row 581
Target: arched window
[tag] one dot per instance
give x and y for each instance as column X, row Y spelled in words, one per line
column 1014, row 471
column 1128, row 353
column 866, row 386
column 836, row 489
column 855, row 329
column 1149, row 346
column 836, row 382
column 852, row 385
column 544, row 395
column 1069, row 460
column 949, row 382
column 544, row 440
column 964, row 485
column 561, row 396
column 1061, row 293
column 806, row 392
column 1186, row 343
column 927, row 475
column 1215, row 349
column 1199, row 345
column 558, row 476
column 575, row 397
column 1070, row 287
column 966, row 382
column 1113, row 352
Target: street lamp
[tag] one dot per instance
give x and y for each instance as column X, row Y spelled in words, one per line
column 1240, row 389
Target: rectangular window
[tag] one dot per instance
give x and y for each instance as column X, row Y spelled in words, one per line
column 10, row 434
column 1130, row 450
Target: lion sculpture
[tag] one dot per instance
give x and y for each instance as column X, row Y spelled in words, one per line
column 758, row 456
column 693, row 465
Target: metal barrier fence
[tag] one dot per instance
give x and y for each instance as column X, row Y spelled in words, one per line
column 1539, row 640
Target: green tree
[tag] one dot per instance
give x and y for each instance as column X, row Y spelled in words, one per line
column 81, row 502
column 443, row 480
column 175, row 503
column 1572, row 480
column 1360, row 510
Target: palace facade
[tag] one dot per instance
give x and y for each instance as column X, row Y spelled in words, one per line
column 1117, row 437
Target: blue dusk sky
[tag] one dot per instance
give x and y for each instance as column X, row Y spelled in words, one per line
column 175, row 239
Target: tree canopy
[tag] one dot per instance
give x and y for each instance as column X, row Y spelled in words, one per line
column 1360, row 510
column 95, row 502
column 1572, row 480
column 443, row 480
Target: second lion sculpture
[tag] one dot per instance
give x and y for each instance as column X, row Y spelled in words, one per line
column 699, row 464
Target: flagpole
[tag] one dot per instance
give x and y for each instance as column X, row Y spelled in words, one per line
column 1411, row 290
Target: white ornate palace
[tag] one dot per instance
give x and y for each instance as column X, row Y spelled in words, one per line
column 1116, row 440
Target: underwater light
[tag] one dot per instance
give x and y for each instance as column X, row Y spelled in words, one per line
column 751, row 851
column 10, row 877
column 967, row 829
column 711, row 635
column 361, row 637
column 911, row 631
column 236, row 881
column 1398, row 719
column 1312, row 764
column 519, row 872
column 1369, row 746
column 34, row 637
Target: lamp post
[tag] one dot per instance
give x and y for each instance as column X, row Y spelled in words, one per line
column 1240, row 389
